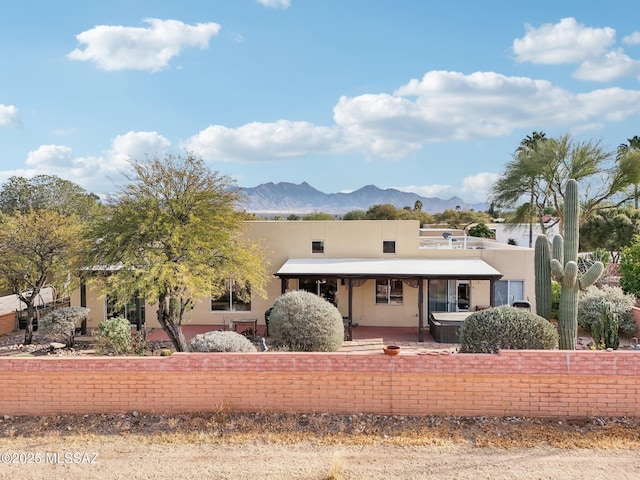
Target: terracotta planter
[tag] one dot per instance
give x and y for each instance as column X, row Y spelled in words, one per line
column 391, row 350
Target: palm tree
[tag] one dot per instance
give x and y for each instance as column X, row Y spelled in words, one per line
column 522, row 174
column 631, row 151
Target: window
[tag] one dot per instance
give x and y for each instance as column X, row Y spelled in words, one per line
column 323, row 287
column 234, row 299
column 389, row 291
column 508, row 291
column 317, row 246
column 389, row 246
column 129, row 310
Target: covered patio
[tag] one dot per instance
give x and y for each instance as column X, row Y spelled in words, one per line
column 354, row 272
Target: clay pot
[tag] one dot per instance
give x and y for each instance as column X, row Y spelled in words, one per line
column 391, row 350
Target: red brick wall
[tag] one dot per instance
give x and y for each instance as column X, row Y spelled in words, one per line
column 7, row 323
column 549, row 384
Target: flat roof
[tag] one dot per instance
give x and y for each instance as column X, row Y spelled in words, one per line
column 392, row 267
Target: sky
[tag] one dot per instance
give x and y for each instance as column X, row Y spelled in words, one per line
column 426, row 97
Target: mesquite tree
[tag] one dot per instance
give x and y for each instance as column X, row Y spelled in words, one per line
column 173, row 232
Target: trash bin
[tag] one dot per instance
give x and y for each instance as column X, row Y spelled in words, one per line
column 267, row 314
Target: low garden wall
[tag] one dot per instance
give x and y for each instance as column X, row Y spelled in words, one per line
column 547, row 384
column 7, row 323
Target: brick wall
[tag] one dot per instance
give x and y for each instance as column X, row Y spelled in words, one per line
column 7, row 323
column 550, row 384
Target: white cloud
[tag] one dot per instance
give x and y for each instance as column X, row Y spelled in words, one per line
column 263, row 141
column 563, row 42
column 633, row 39
column 50, row 156
column 98, row 174
column 275, row 3
column 608, row 67
column 137, row 48
column 474, row 188
column 9, row 116
column 134, row 145
column 442, row 106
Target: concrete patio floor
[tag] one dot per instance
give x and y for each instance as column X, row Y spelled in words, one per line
column 365, row 339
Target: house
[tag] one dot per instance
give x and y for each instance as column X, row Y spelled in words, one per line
column 377, row 272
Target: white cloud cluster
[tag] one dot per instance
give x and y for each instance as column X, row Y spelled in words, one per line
column 474, row 188
column 9, row 116
column 633, row 39
column 275, row 3
column 98, row 174
column 136, row 48
column 263, row 141
column 442, row 106
column 571, row 42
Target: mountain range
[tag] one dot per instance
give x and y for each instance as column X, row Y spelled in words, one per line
column 291, row 198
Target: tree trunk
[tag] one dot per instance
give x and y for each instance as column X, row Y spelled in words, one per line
column 167, row 318
column 28, row 329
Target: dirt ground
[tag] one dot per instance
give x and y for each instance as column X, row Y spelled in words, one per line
column 225, row 445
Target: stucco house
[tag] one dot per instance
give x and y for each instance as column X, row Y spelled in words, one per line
column 377, row 272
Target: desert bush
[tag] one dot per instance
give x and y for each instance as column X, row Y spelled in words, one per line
column 114, row 334
column 306, row 322
column 591, row 302
column 605, row 332
column 63, row 322
column 506, row 327
column 219, row 341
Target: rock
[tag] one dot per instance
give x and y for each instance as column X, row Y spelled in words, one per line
column 57, row 345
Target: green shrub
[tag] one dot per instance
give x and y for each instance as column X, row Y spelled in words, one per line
column 591, row 302
column 506, row 327
column 556, row 290
column 114, row 334
column 305, row 322
column 605, row 331
column 221, row 342
column 63, row 323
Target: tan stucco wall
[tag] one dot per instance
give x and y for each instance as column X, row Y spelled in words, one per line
column 350, row 239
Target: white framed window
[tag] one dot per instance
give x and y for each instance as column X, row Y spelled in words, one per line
column 389, row 291
column 388, row 246
column 508, row 291
column 236, row 298
column 317, row 246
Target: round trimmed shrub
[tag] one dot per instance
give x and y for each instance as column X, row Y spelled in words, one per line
column 591, row 302
column 63, row 323
column 219, row 341
column 305, row 322
column 506, row 328
column 114, row 334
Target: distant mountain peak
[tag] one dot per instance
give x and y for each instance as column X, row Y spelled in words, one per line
column 291, row 198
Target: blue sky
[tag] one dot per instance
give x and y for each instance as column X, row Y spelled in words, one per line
column 429, row 97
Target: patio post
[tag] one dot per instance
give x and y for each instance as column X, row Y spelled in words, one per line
column 350, row 314
column 492, row 295
column 420, row 309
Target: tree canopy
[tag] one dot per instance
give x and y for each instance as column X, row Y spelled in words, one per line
column 611, row 229
column 174, row 232
column 21, row 194
column 461, row 219
column 539, row 174
column 36, row 248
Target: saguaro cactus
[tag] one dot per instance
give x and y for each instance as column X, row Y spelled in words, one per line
column 542, row 260
column 564, row 267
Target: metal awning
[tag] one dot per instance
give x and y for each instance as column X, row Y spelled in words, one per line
column 472, row 268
